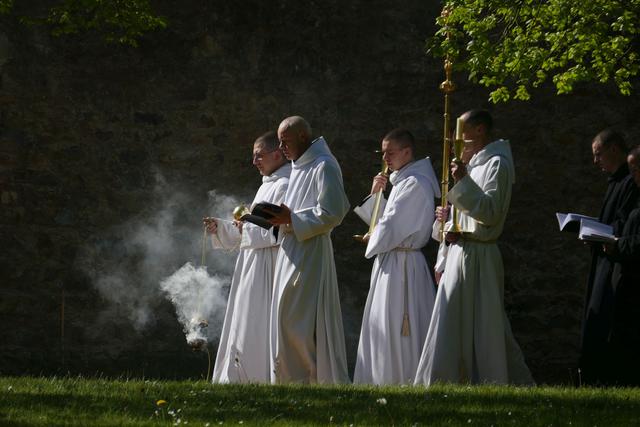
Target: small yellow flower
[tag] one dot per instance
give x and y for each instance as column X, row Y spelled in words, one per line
column 161, row 402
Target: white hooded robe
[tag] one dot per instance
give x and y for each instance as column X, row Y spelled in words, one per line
column 243, row 353
column 469, row 338
column 307, row 337
column 400, row 280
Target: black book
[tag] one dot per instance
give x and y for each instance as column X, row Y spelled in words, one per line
column 259, row 215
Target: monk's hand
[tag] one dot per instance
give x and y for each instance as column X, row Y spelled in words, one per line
column 442, row 214
column 458, row 170
column 280, row 218
column 366, row 237
column 379, row 183
column 238, row 225
column 210, row 224
column 452, row 237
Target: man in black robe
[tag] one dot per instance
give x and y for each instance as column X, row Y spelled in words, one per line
column 597, row 358
column 624, row 337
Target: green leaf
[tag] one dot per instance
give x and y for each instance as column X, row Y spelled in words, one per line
column 499, row 95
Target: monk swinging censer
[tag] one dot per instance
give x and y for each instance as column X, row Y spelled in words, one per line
column 197, row 324
column 196, row 337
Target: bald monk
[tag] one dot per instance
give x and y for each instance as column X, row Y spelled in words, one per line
column 307, row 337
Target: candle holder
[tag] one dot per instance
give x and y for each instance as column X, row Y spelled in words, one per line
column 458, row 148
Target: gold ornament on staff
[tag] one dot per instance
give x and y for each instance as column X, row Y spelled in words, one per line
column 458, row 147
column 375, row 213
column 447, row 87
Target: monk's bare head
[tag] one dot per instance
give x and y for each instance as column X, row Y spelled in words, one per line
column 609, row 150
column 476, row 132
column 294, row 134
column 267, row 157
column 633, row 160
column 398, row 148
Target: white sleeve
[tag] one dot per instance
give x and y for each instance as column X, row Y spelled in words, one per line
column 227, row 235
column 441, row 258
column 256, row 237
column 436, row 231
column 365, row 209
column 486, row 205
column 331, row 206
column 402, row 217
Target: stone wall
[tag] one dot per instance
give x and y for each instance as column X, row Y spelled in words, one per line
column 95, row 139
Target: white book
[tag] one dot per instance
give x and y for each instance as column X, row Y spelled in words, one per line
column 365, row 209
column 594, row 231
column 571, row 221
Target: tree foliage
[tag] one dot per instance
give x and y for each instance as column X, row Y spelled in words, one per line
column 5, row 6
column 118, row 21
column 512, row 46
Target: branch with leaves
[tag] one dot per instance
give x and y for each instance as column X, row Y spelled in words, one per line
column 117, row 21
column 512, row 46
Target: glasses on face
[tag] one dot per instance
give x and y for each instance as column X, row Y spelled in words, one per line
column 257, row 157
column 469, row 143
column 393, row 152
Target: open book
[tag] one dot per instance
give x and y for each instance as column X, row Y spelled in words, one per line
column 571, row 221
column 259, row 215
column 594, row 231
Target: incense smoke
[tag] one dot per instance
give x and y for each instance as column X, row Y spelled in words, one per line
column 138, row 265
column 199, row 300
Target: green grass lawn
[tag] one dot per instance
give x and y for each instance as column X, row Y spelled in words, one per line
column 100, row 402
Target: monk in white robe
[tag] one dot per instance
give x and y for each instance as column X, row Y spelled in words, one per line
column 243, row 353
column 307, row 340
column 400, row 301
column 469, row 338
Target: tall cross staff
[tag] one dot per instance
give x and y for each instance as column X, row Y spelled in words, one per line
column 447, row 87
